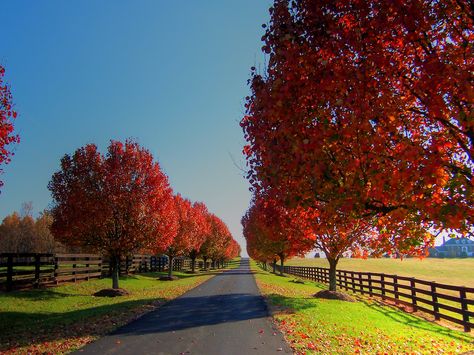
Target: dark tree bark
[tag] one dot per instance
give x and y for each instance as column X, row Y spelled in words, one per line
column 282, row 260
column 170, row 265
column 332, row 273
column 115, row 261
column 193, row 256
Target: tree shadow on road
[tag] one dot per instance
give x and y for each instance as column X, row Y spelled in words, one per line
column 190, row 312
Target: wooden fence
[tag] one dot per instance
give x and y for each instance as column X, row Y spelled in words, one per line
column 452, row 303
column 23, row 271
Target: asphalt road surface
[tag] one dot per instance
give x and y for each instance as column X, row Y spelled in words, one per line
column 225, row 315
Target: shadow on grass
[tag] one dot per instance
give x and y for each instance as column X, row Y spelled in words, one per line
column 402, row 317
column 290, row 304
column 22, row 328
column 39, row 294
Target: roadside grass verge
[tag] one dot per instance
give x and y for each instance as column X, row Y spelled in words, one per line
column 61, row 319
column 447, row 271
column 318, row 326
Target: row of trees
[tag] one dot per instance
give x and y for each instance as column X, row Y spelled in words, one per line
column 121, row 203
column 360, row 131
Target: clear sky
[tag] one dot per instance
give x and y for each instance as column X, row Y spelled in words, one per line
column 171, row 74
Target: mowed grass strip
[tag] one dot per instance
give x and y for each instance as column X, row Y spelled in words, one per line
column 457, row 272
column 317, row 326
column 61, row 319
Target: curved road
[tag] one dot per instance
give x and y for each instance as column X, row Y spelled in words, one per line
column 224, row 315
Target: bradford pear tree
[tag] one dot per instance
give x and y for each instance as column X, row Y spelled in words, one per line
column 272, row 231
column 201, row 228
column 114, row 203
column 364, row 116
column 184, row 240
column 216, row 241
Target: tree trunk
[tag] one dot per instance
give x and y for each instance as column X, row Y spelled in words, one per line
column 193, row 264
column 170, row 265
column 274, row 265
column 115, row 260
column 332, row 274
column 282, row 259
column 204, row 258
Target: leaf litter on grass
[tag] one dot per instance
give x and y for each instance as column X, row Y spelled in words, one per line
column 326, row 326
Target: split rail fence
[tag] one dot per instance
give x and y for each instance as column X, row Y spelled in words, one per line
column 23, row 271
column 448, row 302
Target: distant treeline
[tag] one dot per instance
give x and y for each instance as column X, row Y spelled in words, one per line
column 22, row 233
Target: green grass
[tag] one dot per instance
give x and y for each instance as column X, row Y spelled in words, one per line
column 60, row 319
column 328, row 326
column 457, row 272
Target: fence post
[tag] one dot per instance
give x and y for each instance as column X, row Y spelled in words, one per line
column 352, row 281
column 465, row 313
column 37, row 269
column 361, row 284
column 74, row 266
column 87, row 266
column 382, row 285
column 435, row 301
column 56, row 266
column 9, row 272
column 371, row 293
column 101, row 267
column 413, row 294
column 395, row 286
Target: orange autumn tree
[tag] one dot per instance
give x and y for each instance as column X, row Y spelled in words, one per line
column 201, row 228
column 185, row 239
column 273, row 231
column 113, row 203
column 7, row 116
column 216, row 240
column 364, row 114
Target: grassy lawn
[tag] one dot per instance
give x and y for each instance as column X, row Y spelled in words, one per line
column 457, row 272
column 317, row 326
column 61, row 319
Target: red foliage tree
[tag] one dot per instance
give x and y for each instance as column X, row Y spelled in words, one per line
column 364, row 115
column 114, row 203
column 274, row 231
column 216, row 241
column 201, row 229
column 7, row 116
column 184, row 241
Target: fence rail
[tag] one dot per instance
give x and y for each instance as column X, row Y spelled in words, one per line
column 24, row 271
column 452, row 303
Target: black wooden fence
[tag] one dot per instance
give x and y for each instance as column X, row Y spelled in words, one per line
column 23, row 271
column 452, row 303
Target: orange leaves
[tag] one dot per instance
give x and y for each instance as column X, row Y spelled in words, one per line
column 365, row 116
column 114, row 203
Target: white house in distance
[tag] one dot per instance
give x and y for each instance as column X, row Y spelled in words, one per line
column 454, row 248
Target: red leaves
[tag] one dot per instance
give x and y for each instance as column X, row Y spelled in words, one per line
column 361, row 116
column 7, row 137
column 114, row 203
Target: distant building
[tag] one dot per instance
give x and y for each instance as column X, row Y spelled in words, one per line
column 454, row 248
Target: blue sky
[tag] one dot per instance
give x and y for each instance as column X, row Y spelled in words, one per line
column 171, row 74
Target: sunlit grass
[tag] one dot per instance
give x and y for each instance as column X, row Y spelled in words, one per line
column 327, row 326
column 457, row 272
column 60, row 319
